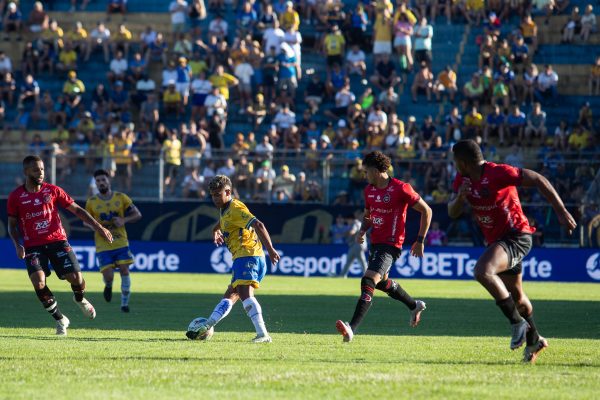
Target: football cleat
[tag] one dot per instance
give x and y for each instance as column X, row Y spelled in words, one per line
column 531, row 352
column 519, row 334
column 62, row 325
column 125, row 309
column 415, row 315
column 86, row 308
column 262, row 339
column 107, row 294
column 345, row 330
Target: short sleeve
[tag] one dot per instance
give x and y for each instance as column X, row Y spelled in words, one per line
column 507, row 175
column 62, row 198
column 409, row 195
column 12, row 206
column 242, row 217
column 127, row 202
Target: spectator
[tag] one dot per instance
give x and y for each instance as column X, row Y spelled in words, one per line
column 594, row 79
column 116, row 6
column 83, row 6
column 385, row 73
column 515, row 124
column 123, row 158
column 183, row 79
column 227, row 169
column 244, row 72
column 382, row 33
column 243, row 177
column 445, row 84
column 339, row 230
column 294, row 39
column 454, row 125
column 147, row 37
column 586, row 116
column 588, row 23
column 99, row 37
column 172, row 100
column 218, row 28
column 423, row 35
column 263, row 182
column 355, row 63
column 284, row 183
column 494, row 125
column 520, row 53
column 257, row 110
column 515, row 157
column 12, row 21
column 30, row 94
column 121, row 40
column 169, row 74
column 264, row 150
column 38, row 18
column 5, row 63
column 436, row 236
column 529, row 83
column 572, row 26
column 171, row 149
column 197, row 14
column 157, row 50
column 389, row 100
column 289, row 17
column 423, row 83
column 529, row 30
column 473, row 91
column 73, row 89
column 118, row 67
column 193, row 184
column 78, row 37
column 200, row 88
column 358, row 21
column 428, row 131
column 403, row 30
column 288, row 72
column 473, row 123
column 215, row 103
column 223, row 81
column 267, row 18
column 536, row 124
column 547, row 83
column 29, row 59
column 178, row 10
column 440, row 194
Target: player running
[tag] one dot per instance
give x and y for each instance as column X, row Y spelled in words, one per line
column 33, row 220
column 245, row 237
column 113, row 210
column 386, row 202
column 490, row 189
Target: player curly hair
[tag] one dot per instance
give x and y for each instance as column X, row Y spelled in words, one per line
column 377, row 160
column 467, row 150
column 219, row 183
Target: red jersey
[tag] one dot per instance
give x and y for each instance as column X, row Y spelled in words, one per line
column 37, row 214
column 495, row 201
column 387, row 208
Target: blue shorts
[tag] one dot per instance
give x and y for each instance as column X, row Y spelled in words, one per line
column 114, row 258
column 248, row 271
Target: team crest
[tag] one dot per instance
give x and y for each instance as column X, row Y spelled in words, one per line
column 386, row 198
column 47, row 198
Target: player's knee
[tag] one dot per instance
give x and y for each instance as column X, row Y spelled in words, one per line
column 483, row 272
column 39, row 285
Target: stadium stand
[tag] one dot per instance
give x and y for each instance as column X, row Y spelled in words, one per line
column 125, row 135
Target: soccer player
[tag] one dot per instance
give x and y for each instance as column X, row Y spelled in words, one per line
column 33, row 220
column 113, row 210
column 386, row 202
column 245, row 237
column 491, row 191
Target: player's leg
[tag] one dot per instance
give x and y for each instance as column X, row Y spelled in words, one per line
column 350, row 257
column 37, row 264
column 535, row 342
column 221, row 310
column 254, row 268
column 64, row 261
column 125, row 286
column 108, row 276
column 380, row 262
column 396, row 292
column 496, row 259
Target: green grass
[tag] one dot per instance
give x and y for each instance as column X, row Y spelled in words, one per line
column 460, row 350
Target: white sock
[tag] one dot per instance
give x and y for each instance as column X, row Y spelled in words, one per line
column 221, row 311
column 125, row 286
column 254, row 311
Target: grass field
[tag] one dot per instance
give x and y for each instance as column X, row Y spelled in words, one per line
column 459, row 351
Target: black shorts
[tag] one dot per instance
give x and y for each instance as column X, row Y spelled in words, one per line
column 337, row 59
column 124, row 170
column 382, row 257
column 59, row 254
column 423, row 55
column 517, row 245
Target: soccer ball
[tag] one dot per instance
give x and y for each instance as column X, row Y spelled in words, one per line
column 194, row 326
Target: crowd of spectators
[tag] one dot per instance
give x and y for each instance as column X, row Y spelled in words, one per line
column 249, row 68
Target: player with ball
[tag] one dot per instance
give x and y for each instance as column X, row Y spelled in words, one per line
column 245, row 237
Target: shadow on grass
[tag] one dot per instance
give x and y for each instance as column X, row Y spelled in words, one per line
column 302, row 314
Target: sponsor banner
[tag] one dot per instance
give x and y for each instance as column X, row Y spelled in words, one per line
column 562, row 265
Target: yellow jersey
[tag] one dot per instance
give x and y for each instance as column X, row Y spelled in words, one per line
column 103, row 211
column 240, row 237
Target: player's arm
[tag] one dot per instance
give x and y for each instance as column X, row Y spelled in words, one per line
column 265, row 239
column 419, row 245
column 132, row 214
column 457, row 202
column 533, row 179
column 15, row 236
column 364, row 226
column 89, row 220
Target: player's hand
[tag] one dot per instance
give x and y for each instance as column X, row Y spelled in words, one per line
column 118, row 221
column 464, row 190
column 105, row 233
column 566, row 219
column 273, row 255
column 360, row 237
column 218, row 237
column 417, row 249
column 20, row 251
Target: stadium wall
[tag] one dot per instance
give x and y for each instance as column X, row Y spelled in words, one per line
column 560, row 265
